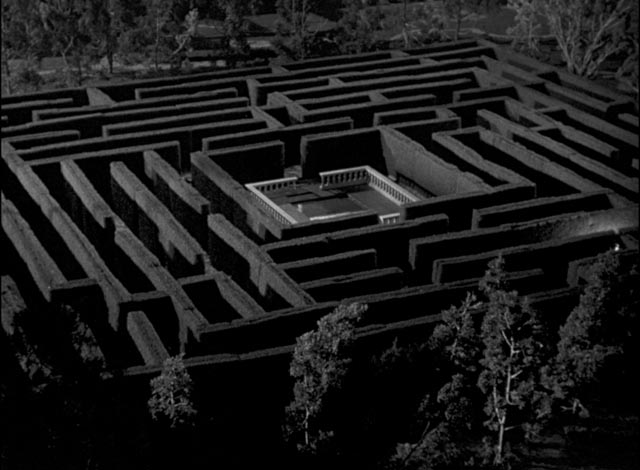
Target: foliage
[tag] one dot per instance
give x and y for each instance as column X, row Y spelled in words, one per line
column 588, row 33
column 294, row 36
column 448, row 413
column 185, row 37
column 595, row 333
column 171, row 394
column 331, row 9
column 627, row 73
column 512, row 357
column 458, row 11
column 68, row 23
column 68, row 410
column 157, row 30
column 159, row 21
column 21, row 79
column 235, row 26
column 24, row 42
column 358, row 25
column 23, row 34
column 105, row 28
column 320, row 362
column 526, row 25
column 419, row 24
column 489, row 381
column 381, row 397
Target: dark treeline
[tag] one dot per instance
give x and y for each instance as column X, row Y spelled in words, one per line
column 494, row 384
column 158, row 34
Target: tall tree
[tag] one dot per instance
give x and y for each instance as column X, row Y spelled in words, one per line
column 597, row 332
column 159, row 16
column 512, row 357
column 526, row 25
column 418, row 23
column 358, row 24
column 69, row 411
column 294, row 35
column 320, row 362
column 104, row 28
column 588, row 33
column 69, row 25
column 458, row 11
column 235, row 12
column 24, row 41
column 448, row 413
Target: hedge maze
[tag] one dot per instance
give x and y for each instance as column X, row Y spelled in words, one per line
column 132, row 199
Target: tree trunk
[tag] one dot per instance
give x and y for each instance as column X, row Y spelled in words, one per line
column 79, row 69
column 110, row 49
column 65, row 60
column 7, row 73
column 110, row 60
column 156, row 47
column 498, row 458
column 404, row 12
column 458, row 22
column 306, row 427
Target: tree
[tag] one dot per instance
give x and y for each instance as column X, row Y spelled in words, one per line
column 627, row 74
column 293, row 34
column 526, row 25
column 171, row 394
column 358, row 25
column 24, row 41
column 184, row 38
column 512, row 358
column 449, row 412
column 588, row 33
column 497, row 387
column 320, row 362
column 68, row 23
column 160, row 31
column 235, row 12
column 596, row 333
column 419, row 24
column 158, row 17
column 457, row 11
column 493, row 371
column 103, row 17
column 68, row 407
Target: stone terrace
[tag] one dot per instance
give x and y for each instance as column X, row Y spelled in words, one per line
column 131, row 198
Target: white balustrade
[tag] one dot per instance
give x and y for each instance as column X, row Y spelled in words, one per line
column 332, row 179
column 389, row 188
column 272, row 208
column 275, row 185
column 344, row 177
column 388, row 219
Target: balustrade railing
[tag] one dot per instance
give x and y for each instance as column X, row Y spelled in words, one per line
column 389, row 188
column 340, row 178
column 332, row 179
column 269, row 206
column 389, row 218
column 275, row 185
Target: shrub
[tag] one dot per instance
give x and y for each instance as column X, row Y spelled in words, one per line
column 171, row 394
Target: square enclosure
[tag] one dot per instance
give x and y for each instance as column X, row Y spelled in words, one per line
column 339, row 193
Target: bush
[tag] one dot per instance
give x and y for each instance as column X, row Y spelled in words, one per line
column 171, row 394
